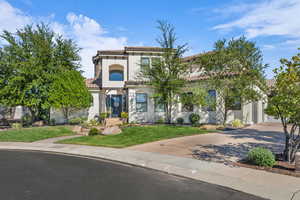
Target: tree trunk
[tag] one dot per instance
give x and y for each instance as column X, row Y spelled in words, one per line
column 292, row 144
column 66, row 114
column 286, row 152
column 225, row 116
column 33, row 114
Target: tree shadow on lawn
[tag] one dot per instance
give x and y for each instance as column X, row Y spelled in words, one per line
column 226, row 153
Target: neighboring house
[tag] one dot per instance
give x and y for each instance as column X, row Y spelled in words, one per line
column 14, row 113
column 116, row 88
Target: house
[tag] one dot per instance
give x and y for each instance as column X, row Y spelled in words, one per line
column 116, row 88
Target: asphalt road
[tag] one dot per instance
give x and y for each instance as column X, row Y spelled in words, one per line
column 45, row 176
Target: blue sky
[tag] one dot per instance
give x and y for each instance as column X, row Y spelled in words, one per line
column 99, row 24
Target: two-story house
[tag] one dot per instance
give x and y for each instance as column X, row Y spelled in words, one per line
column 116, row 88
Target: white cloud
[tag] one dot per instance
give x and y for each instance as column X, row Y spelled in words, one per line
column 87, row 32
column 90, row 36
column 268, row 18
column 268, row 47
column 234, row 9
column 12, row 18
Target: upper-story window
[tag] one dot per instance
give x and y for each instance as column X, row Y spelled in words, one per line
column 145, row 62
column 116, row 75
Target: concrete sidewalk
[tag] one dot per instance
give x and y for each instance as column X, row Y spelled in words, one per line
column 260, row 183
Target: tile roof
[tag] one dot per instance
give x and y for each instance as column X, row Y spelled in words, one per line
column 111, row 52
column 145, row 48
column 92, row 83
column 193, row 57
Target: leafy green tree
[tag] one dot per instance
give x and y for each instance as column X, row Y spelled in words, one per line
column 28, row 61
column 284, row 103
column 69, row 93
column 166, row 75
column 195, row 95
column 234, row 69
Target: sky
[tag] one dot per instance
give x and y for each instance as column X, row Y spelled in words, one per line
column 273, row 25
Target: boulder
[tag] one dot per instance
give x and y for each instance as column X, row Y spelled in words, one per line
column 109, row 122
column 38, row 123
column 84, row 131
column 111, row 130
column 77, row 129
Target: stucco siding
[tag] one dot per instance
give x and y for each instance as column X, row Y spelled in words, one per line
column 106, row 63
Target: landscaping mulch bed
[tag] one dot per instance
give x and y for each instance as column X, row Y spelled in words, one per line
column 280, row 168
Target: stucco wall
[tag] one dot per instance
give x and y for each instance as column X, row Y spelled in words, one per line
column 245, row 114
column 134, row 62
column 106, row 63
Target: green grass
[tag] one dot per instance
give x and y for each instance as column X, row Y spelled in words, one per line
column 136, row 135
column 34, row 133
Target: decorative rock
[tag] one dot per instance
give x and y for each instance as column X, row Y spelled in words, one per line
column 109, row 122
column 84, row 131
column 297, row 163
column 77, row 129
column 111, row 130
column 38, row 123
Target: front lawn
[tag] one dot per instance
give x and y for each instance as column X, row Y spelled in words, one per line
column 34, row 133
column 136, row 135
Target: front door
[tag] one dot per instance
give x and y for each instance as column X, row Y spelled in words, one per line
column 116, row 105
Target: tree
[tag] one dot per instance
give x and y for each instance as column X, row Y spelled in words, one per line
column 284, row 104
column 69, row 93
column 166, row 75
column 234, row 69
column 28, row 62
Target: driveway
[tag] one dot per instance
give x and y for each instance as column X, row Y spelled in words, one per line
column 37, row 175
column 221, row 147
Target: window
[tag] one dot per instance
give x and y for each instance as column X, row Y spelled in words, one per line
column 234, row 103
column 116, row 75
column 187, row 106
column 158, row 105
column 210, row 101
column 141, row 102
column 145, row 62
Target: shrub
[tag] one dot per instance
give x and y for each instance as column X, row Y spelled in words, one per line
column 180, row 120
column 237, row 123
column 197, row 124
column 93, row 131
column 16, row 125
column 103, row 116
column 124, row 115
column 85, row 125
column 26, row 120
column 261, row 157
column 194, row 118
column 52, row 122
column 75, row 121
column 160, row 120
column 93, row 122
